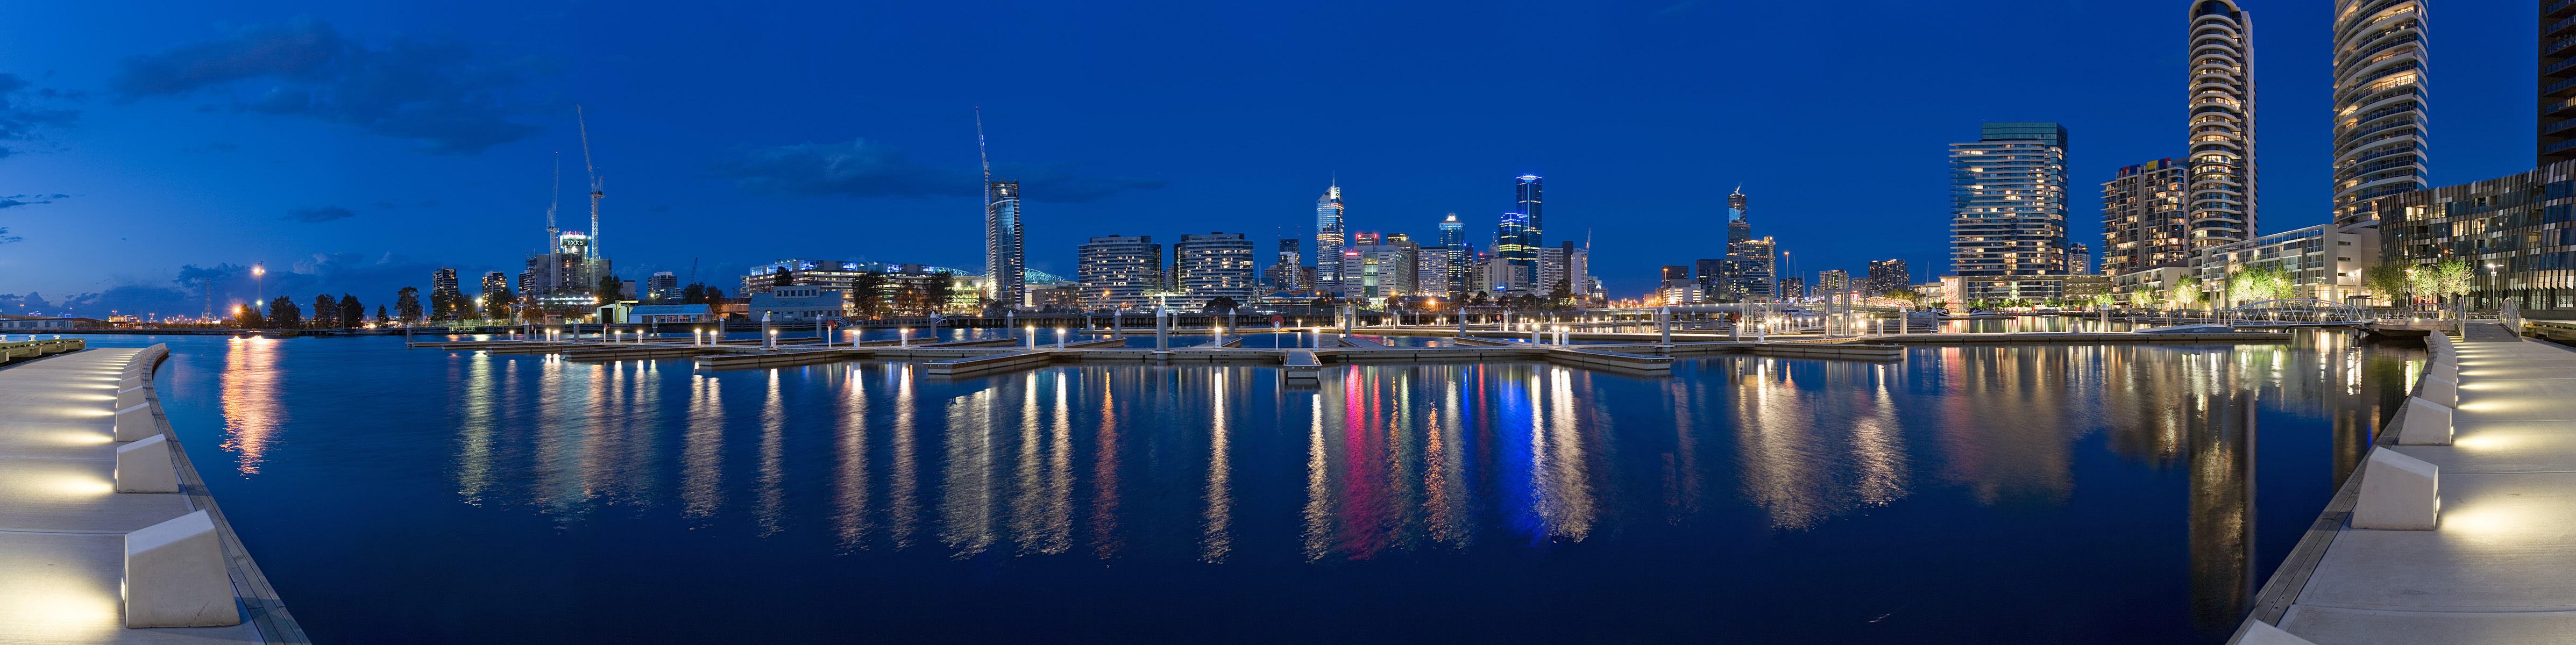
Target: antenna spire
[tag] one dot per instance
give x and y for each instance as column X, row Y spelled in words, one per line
column 554, row 201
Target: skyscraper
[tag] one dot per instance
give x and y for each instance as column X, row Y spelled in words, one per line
column 1215, row 265
column 442, row 286
column 2379, row 103
column 2008, row 203
column 1285, row 273
column 2143, row 226
column 2221, row 82
column 1453, row 245
column 1833, row 280
column 1525, row 194
column 1329, row 220
column 1520, row 259
column 1005, row 259
column 1738, row 229
column 2079, row 259
column 1117, row 271
column 2557, row 83
column 1751, row 265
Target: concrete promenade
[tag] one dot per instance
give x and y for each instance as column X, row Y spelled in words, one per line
column 63, row 526
column 2499, row 566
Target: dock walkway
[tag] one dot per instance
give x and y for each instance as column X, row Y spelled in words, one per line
column 2500, row 564
column 63, row 527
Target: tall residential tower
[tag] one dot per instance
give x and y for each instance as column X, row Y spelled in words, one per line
column 2008, row 220
column 2222, row 190
column 1005, row 260
column 1329, row 241
column 2379, row 142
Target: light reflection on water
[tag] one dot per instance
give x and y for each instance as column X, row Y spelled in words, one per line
column 1667, row 486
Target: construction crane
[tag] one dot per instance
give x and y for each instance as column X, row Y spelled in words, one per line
column 597, row 189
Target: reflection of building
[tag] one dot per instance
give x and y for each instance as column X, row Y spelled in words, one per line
column 2008, row 211
column 2220, row 442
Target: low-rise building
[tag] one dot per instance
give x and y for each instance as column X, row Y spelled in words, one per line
column 797, row 304
column 659, row 314
column 27, row 323
column 2322, row 263
column 2149, row 288
column 2081, row 288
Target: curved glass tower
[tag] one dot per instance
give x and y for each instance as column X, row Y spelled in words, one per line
column 2222, row 125
column 2378, row 102
column 1328, row 240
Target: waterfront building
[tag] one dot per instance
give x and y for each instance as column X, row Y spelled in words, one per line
column 1055, row 295
column 1751, row 271
column 442, row 288
column 2081, row 288
column 2557, row 82
column 662, row 288
column 1565, row 265
column 1793, row 287
column 1004, row 255
column 2379, row 140
column 2143, row 222
column 1681, row 290
column 1329, row 220
column 1887, row 276
column 1119, row 271
column 2008, row 202
column 2222, row 187
column 1287, row 272
column 899, row 289
column 494, row 282
column 1830, row 280
column 2515, row 232
column 805, row 304
column 1387, row 267
column 2079, row 259
column 1431, row 272
column 1215, row 265
column 670, row 313
column 564, row 275
column 2323, row 262
column 2152, row 288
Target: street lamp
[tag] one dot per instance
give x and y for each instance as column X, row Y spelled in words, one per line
column 259, row 288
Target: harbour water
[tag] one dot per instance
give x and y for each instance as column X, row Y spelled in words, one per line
column 2074, row 494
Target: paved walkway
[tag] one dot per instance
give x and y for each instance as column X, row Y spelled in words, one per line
column 62, row 525
column 2501, row 567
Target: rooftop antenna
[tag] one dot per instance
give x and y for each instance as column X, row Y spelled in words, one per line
column 555, row 201
column 693, row 270
column 979, row 151
column 596, row 183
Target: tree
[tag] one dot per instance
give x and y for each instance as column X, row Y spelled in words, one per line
column 326, row 312
column 461, row 306
column 1221, row 303
column 2451, row 277
column 247, row 317
column 1478, row 299
column 694, row 294
column 497, row 302
column 942, row 285
column 2188, row 292
column 714, row 294
column 610, row 289
column 2388, row 281
column 867, row 294
column 283, row 314
column 352, row 314
column 1563, row 291
column 407, row 304
column 381, row 320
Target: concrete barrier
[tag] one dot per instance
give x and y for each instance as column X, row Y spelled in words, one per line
column 2262, row 633
column 2444, row 370
column 134, row 423
column 175, row 576
column 130, row 381
column 2438, row 390
column 145, row 467
column 2427, row 424
column 130, row 397
column 2398, row 492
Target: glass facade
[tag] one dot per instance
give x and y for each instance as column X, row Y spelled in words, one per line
column 2008, row 203
column 2515, row 232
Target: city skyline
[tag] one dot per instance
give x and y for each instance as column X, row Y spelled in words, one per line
column 240, row 213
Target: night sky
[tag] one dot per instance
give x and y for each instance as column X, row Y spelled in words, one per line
column 356, row 149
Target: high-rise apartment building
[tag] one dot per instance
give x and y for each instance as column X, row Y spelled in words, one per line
column 663, row 287
column 442, row 284
column 2079, row 259
column 1329, row 220
column 1711, row 277
column 1833, row 280
column 1565, row 265
column 2378, row 102
column 2008, row 203
column 2143, row 223
column 1004, row 258
column 2221, row 204
column 1676, row 272
column 1119, row 271
column 2557, row 82
column 1525, row 195
column 1887, row 276
column 1520, row 259
column 1215, row 265
column 1287, row 274
column 1792, row 287
column 494, row 282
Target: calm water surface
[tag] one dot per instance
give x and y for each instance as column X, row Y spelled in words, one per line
column 1990, row 494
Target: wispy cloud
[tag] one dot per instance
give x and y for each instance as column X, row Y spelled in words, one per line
column 859, row 168
column 22, row 111
column 318, row 214
column 440, row 93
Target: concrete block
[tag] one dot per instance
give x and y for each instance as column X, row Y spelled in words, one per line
column 145, row 467
column 2398, row 493
column 2262, row 633
column 130, row 381
column 175, row 576
column 2445, row 370
column 2440, row 391
column 135, row 422
column 129, row 398
column 2427, row 424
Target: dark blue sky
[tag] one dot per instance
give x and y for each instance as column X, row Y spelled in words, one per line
column 355, row 149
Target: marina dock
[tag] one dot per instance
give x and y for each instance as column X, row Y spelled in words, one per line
column 82, row 562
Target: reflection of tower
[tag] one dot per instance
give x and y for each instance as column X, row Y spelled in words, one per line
column 2221, row 499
